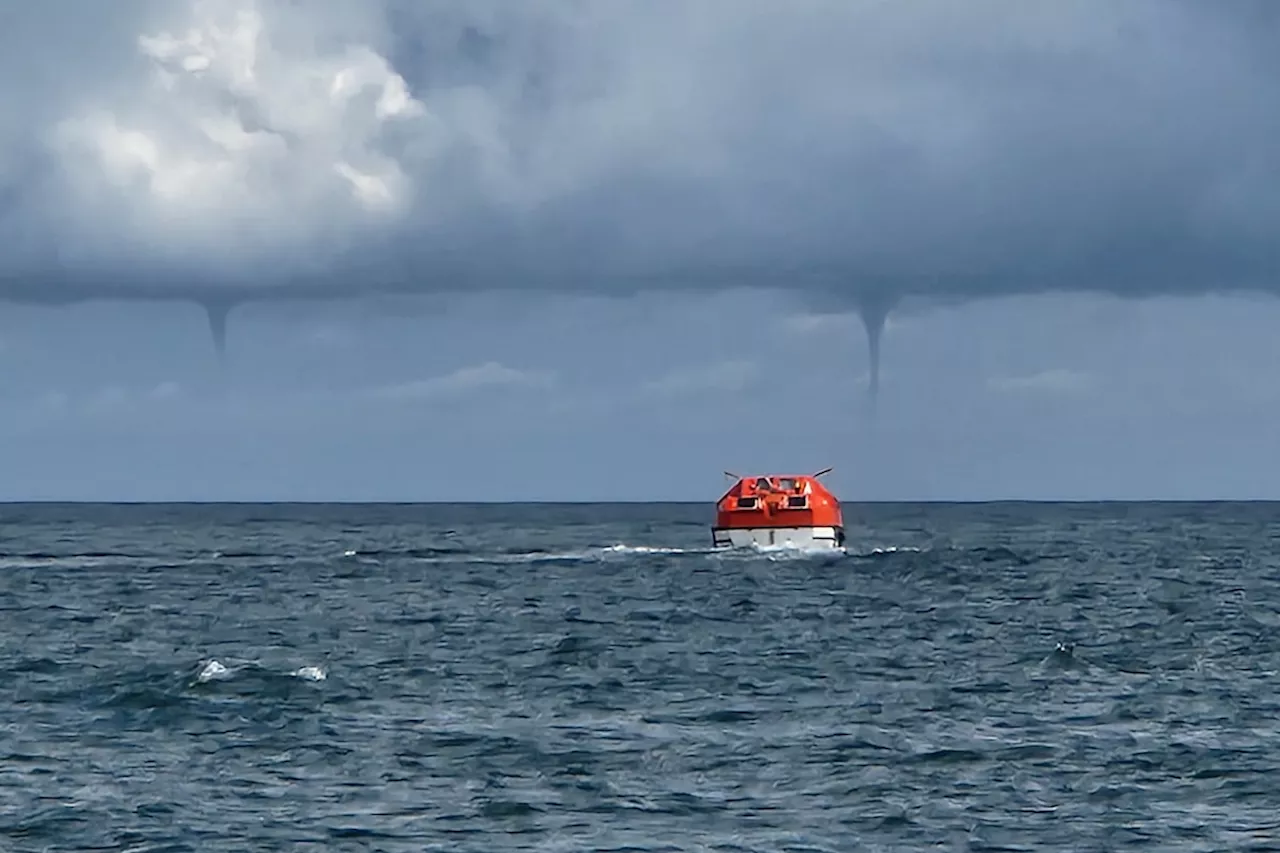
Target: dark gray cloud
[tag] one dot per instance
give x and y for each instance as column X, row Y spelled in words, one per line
column 857, row 152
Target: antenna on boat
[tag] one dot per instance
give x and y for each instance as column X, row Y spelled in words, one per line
column 820, row 473
column 731, row 475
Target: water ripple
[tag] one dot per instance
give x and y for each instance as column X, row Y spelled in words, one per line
column 396, row 678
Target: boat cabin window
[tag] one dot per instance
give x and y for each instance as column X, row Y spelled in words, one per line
column 794, row 485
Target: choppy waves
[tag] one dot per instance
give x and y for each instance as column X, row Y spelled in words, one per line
column 388, row 679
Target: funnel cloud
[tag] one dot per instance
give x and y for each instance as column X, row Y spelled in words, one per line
column 861, row 152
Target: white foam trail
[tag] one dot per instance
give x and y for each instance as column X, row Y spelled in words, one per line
column 611, row 552
column 650, row 549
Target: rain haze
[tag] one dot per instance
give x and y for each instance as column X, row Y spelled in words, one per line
column 484, row 250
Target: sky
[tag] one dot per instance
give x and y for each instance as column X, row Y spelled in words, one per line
column 562, row 250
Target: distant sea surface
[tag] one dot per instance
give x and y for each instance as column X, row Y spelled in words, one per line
column 574, row 678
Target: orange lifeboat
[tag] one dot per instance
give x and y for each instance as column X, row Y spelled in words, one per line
column 778, row 509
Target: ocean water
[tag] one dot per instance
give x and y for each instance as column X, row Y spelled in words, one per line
column 573, row 678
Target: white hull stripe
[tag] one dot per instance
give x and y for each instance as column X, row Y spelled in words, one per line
column 795, row 537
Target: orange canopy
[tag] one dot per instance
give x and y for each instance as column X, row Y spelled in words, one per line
column 778, row 500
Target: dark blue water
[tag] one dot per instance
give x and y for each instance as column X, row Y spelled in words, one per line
column 400, row 678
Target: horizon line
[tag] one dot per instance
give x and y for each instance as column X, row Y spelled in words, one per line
column 616, row 502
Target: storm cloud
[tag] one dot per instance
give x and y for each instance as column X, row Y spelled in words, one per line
column 859, row 152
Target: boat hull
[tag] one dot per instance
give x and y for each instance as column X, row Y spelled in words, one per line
column 806, row 538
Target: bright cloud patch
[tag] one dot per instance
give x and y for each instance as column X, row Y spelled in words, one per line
column 855, row 150
column 236, row 140
column 464, row 381
column 1056, row 381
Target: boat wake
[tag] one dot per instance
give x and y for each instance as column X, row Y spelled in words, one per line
column 617, row 552
column 652, row 549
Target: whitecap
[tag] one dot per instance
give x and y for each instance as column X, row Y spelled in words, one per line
column 211, row 670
